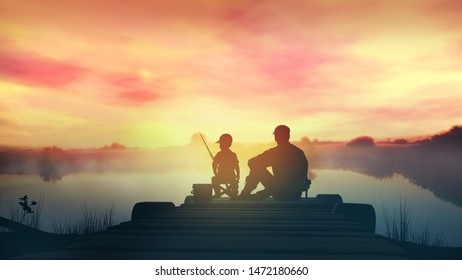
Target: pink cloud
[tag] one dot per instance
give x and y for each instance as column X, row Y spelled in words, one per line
column 397, row 121
column 292, row 81
column 259, row 18
column 290, row 68
column 144, row 13
column 446, row 11
column 123, row 80
column 38, row 71
column 136, row 97
column 107, row 14
column 288, row 42
column 133, row 90
column 453, row 6
column 438, row 109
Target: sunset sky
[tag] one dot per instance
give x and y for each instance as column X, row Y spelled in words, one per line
column 86, row 73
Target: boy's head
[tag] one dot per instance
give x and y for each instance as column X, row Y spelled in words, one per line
column 225, row 141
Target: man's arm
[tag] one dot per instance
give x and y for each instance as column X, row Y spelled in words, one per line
column 303, row 165
column 264, row 159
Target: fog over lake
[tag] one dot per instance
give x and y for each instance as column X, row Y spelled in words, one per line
column 63, row 200
column 425, row 175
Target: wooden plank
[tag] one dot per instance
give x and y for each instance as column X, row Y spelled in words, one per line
column 253, row 227
column 306, row 229
column 167, row 255
column 242, row 215
column 255, row 234
column 242, row 244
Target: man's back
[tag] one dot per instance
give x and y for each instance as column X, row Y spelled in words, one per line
column 289, row 164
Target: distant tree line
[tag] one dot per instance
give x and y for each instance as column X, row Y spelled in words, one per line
column 432, row 164
column 53, row 163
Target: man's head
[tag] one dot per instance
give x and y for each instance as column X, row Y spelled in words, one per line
column 225, row 141
column 281, row 134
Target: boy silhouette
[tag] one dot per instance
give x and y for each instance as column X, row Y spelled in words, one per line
column 225, row 166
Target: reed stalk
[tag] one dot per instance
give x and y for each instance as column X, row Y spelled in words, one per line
column 92, row 221
column 398, row 227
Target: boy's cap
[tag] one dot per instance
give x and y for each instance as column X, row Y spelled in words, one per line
column 282, row 129
column 225, row 138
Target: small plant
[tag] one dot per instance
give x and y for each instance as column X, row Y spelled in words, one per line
column 28, row 213
column 26, row 208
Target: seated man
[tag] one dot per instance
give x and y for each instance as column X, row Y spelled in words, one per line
column 289, row 166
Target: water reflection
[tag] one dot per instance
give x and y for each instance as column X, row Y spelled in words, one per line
column 385, row 194
column 64, row 199
column 433, row 164
column 428, row 174
column 53, row 164
column 438, row 170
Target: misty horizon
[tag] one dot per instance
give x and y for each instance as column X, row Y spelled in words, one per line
column 195, row 138
column 431, row 164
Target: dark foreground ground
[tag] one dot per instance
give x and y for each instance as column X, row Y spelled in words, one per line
column 16, row 244
column 323, row 228
column 420, row 252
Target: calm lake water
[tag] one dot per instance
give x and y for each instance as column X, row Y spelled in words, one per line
column 64, row 199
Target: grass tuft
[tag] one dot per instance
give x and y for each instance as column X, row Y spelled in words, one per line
column 28, row 212
column 2, row 229
column 92, row 221
column 398, row 227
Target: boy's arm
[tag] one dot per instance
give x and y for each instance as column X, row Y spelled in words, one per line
column 215, row 165
column 214, row 168
column 238, row 172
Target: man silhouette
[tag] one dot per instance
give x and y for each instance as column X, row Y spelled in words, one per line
column 289, row 166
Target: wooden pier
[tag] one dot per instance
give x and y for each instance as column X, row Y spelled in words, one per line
column 312, row 228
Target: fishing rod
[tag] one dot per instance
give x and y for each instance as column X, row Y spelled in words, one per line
column 203, row 140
